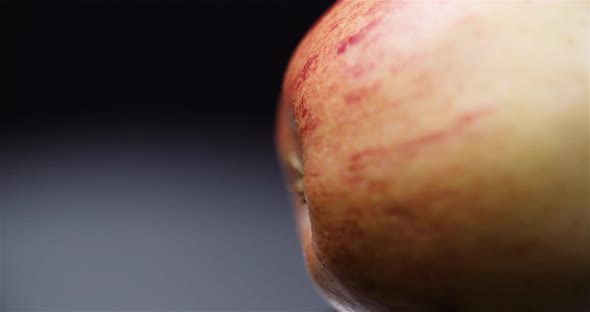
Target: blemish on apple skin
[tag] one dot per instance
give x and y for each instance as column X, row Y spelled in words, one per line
column 309, row 66
column 309, row 125
column 357, row 37
column 306, row 121
column 302, row 108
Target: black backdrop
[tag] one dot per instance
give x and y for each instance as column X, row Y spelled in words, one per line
column 137, row 159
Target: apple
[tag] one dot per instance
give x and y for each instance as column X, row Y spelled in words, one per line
column 438, row 154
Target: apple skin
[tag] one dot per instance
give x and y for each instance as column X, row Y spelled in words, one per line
column 438, row 154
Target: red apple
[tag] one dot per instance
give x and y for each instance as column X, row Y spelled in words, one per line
column 439, row 155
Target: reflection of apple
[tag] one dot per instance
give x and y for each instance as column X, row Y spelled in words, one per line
column 442, row 149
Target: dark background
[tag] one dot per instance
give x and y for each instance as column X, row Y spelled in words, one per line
column 137, row 166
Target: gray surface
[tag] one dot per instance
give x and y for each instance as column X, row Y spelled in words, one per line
column 96, row 223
